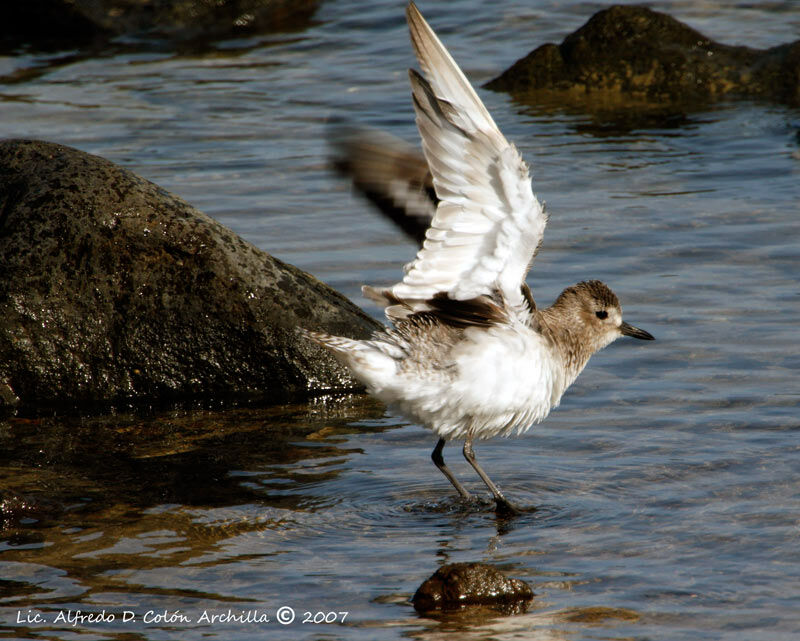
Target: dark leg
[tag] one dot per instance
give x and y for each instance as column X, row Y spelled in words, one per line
column 438, row 460
column 501, row 501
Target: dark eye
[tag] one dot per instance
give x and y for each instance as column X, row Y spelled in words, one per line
column 602, row 314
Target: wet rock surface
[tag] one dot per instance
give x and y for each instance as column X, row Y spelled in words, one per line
column 626, row 54
column 457, row 585
column 113, row 289
column 50, row 24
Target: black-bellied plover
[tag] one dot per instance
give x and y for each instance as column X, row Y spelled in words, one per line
column 469, row 354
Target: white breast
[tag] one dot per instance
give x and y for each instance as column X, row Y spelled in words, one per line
column 501, row 380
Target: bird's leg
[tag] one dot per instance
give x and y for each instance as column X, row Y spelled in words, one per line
column 438, row 460
column 502, row 502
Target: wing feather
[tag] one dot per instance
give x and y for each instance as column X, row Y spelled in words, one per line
column 488, row 224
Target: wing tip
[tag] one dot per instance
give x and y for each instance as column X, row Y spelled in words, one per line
column 413, row 14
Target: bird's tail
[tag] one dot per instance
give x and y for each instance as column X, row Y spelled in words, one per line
column 366, row 360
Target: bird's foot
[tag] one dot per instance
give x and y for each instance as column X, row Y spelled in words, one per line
column 505, row 509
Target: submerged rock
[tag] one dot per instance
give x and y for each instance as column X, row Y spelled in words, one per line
column 456, row 585
column 630, row 54
column 16, row 507
column 113, row 289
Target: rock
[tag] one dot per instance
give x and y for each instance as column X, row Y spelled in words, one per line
column 114, row 290
column 50, row 24
column 456, row 585
column 193, row 19
column 626, row 55
column 47, row 25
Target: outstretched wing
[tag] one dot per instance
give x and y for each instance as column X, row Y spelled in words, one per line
column 488, row 224
column 390, row 173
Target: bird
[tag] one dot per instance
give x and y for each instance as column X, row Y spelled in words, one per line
column 469, row 354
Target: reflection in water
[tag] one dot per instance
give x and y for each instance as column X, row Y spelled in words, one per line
column 139, row 514
column 123, row 491
column 482, row 623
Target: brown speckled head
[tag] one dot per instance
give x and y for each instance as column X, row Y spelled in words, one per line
column 585, row 318
column 591, row 292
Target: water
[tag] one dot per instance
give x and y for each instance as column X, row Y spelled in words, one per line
column 667, row 482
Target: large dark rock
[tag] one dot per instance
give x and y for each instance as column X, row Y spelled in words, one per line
column 629, row 54
column 46, row 24
column 113, row 289
column 188, row 19
column 457, row 585
column 51, row 24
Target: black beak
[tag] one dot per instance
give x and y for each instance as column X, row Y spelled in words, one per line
column 635, row 332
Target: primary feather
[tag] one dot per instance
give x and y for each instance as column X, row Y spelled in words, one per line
column 488, row 223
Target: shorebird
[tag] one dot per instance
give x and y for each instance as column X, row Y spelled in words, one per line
column 469, row 354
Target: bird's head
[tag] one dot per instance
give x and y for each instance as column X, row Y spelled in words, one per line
column 593, row 311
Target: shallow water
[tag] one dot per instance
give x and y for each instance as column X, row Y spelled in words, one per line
column 667, row 482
